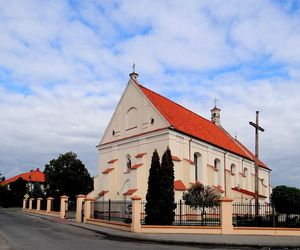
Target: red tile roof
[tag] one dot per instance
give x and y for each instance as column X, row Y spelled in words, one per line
column 108, row 170
column 35, row 175
column 250, row 193
column 140, row 155
column 179, row 185
column 112, row 161
column 102, row 193
column 175, row 158
column 136, row 166
column 130, row 191
column 188, row 122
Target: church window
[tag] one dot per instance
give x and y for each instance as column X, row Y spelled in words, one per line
column 217, row 164
column 131, row 118
column 128, row 162
column 152, row 120
column 232, row 168
column 245, row 172
column 198, row 166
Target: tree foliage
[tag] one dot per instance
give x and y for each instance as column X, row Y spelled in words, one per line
column 13, row 197
column 200, row 197
column 152, row 207
column 67, row 175
column 168, row 205
column 286, row 200
column 160, row 194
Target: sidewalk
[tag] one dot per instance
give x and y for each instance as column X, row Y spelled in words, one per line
column 241, row 241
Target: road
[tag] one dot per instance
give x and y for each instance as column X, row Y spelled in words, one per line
column 21, row 231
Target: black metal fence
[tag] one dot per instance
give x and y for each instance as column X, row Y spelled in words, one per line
column 113, row 210
column 244, row 216
column 44, row 204
column 71, row 209
column 188, row 216
column 34, row 203
column 56, row 205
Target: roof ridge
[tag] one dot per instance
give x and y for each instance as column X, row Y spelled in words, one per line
column 139, row 85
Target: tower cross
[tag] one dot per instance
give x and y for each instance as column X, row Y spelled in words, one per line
column 133, row 67
column 215, row 102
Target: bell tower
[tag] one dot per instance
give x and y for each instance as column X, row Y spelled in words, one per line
column 215, row 114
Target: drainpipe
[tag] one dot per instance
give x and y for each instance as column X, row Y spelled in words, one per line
column 190, row 148
column 225, row 189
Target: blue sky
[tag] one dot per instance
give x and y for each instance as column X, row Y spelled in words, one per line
column 64, row 65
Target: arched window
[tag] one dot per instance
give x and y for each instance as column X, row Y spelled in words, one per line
column 131, row 118
column 128, row 162
column 198, row 166
column 218, row 177
column 232, row 169
column 245, row 172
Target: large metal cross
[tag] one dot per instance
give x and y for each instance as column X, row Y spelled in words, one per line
column 257, row 129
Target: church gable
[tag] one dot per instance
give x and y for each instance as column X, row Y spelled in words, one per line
column 134, row 115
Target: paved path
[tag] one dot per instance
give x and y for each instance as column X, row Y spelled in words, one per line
column 221, row 241
column 27, row 232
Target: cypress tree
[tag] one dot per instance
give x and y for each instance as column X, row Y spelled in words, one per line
column 152, row 207
column 168, row 206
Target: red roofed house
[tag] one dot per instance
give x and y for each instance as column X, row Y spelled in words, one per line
column 202, row 150
column 32, row 177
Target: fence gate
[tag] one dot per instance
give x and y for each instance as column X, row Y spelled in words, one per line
column 71, row 209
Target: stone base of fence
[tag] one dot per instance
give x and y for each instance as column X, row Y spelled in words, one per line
column 267, row 231
column 110, row 224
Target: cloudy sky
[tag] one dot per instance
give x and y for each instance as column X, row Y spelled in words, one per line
column 65, row 64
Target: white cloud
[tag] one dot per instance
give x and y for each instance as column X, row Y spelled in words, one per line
column 63, row 67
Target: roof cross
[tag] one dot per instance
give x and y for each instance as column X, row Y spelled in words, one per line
column 215, row 102
column 133, row 67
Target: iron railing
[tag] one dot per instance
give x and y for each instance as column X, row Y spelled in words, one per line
column 113, row 210
column 244, row 215
column 56, row 205
column 34, row 203
column 185, row 215
column 44, row 204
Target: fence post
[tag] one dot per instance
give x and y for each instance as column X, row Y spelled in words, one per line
column 109, row 207
column 38, row 204
column 273, row 216
column 30, row 203
column 180, row 212
column 49, row 204
column 24, row 203
column 136, row 214
column 63, row 205
column 226, row 215
column 79, row 201
column 87, row 208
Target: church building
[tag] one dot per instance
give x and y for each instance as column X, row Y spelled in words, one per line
column 202, row 150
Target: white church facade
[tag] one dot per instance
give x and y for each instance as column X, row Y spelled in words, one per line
column 201, row 149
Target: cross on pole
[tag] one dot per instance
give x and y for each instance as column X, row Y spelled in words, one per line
column 257, row 129
column 215, row 102
column 133, row 67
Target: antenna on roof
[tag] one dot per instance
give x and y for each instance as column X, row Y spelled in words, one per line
column 235, row 135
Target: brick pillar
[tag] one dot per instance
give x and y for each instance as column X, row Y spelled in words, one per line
column 87, row 208
column 30, row 203
column 24, row 203
column 136, row 214
column 38, row 204
column 226, row 215
column 79, row 207
column 63, row 206
column 49, row 204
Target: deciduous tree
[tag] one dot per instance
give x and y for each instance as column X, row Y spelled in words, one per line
column 67, row 175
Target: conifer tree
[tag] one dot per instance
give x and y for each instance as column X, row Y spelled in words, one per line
column 167, row 189
column 152, row 207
